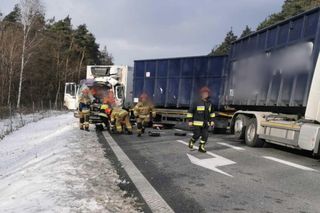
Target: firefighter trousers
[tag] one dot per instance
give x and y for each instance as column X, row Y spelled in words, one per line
column 142, row 122
column 200, row 132
column 84, row 119
column 123, row 121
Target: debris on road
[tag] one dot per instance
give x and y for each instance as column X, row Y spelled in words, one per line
column 154, row 134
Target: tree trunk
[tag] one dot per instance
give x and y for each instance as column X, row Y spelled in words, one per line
column 2, row 89
column 57, row 95
column 80, row 64
column 58, row 77
column 10, row 74
column 9, row 84
column 22, row 65
column 67, row 61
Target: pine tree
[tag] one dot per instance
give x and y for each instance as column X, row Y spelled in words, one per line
column 224, row 47
column 289, row 8
column 247, row 31
column 13, row 16
column 55, row 53
column 105, row 57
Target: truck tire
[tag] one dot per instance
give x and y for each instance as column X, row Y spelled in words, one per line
column 251, row 137
column 240, row 126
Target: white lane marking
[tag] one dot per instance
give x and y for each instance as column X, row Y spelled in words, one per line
column 211, row 163
column 179, row 130
column 289, row 163
column 150, row 195
column 231, row 146
column 190, row 134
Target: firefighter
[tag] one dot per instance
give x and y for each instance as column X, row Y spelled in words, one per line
column 85, row 100
column 105, row 113
column 200, row 117
column 143, row 111
column 120, row 118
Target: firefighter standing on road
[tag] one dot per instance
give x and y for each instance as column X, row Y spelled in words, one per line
column 85, row 100
column 120, row 117
column 200, row 116
column 143, row 111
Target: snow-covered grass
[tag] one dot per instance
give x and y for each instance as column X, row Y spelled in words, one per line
column 19, row 120
column 52, row 166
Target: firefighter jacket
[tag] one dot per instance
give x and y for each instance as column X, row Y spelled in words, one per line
column 143, row 109
column 118, row 113
column 201, row 113
column 85, row 98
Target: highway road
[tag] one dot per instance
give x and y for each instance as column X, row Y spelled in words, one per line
column 230, row 177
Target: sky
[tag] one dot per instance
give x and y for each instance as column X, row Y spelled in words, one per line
column 144, row 29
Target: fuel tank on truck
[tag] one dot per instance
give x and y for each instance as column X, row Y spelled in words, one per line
column 272, row 69
column 175, row 82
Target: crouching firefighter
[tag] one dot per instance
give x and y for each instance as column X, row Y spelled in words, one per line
column 200, row 117
column 85, row 100
column 143, row 112
column 120, row 119
column 105, row 112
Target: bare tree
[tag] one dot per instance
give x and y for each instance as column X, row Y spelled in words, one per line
column 30, row 10
column 13, row 55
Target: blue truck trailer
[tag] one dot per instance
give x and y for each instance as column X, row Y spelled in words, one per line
column 270, row 82
column 173, row 83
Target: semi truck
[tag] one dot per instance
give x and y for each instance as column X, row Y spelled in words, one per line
column 266, row 90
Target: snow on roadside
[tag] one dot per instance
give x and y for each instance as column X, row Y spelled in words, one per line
column 52, row 166
column 19, row 120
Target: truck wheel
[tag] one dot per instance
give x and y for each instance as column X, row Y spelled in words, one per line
column 240, row 126
column 251, row 136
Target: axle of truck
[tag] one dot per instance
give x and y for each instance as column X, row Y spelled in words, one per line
column 286, row 130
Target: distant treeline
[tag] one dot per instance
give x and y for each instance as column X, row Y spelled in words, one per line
column 289, row 8
column 37, row 55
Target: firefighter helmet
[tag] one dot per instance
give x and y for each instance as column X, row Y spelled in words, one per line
column 85, row 91
column 144, row 96
column 205, row 89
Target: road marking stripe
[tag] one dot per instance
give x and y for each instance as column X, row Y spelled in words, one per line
column 208, row 152
column 150, row 195
column 179, row 130
column 289, row 163
column 219, row 160
column 231, row 146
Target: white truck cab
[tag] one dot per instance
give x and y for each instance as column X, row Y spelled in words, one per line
column 117, row 78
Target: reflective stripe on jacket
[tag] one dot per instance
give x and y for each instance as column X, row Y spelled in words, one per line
column 201, row 112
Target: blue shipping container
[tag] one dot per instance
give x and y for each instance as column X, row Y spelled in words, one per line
column 274, row 67
column 175, row 82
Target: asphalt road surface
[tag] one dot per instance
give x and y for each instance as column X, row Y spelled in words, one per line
column 230, row 177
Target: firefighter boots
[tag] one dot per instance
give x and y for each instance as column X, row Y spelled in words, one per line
column 202, row 148
column 191, row 143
